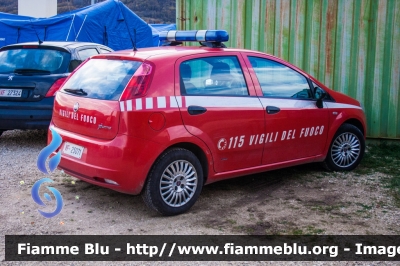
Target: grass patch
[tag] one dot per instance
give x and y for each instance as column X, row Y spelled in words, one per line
column 330, row 208
column 364, row 207
column 67, row 180
column 383, row 158
column 311, row 230
column 231, row 221
column 297, row 232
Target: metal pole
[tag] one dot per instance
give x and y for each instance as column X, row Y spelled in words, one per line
column 92, row 2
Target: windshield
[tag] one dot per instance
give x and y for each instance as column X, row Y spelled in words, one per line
column 103, row 79
column 37, row 61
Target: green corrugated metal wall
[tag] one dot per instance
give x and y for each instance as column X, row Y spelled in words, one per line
column 352, row 46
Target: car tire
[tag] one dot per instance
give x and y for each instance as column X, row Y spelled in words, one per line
column 346, row 150
column 174, row 183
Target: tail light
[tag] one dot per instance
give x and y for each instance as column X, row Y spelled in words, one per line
column 139, row 82
column 55, row 87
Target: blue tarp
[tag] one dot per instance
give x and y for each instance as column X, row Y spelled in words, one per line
column 110, row 23
column 156, row 28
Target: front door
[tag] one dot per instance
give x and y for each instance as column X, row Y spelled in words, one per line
column 218, row 105
column 295, row 127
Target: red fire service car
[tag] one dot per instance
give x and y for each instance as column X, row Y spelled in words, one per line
column 164, row 121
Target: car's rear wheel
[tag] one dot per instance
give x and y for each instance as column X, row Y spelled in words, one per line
column 346, row 150
column 174, row 183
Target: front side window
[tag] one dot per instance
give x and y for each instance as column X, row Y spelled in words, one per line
column 34, row 61
column 278, row 80
column 220, row 75
column 101, row 79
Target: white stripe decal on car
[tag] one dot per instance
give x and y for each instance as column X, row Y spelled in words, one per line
column 301, row 104
column 149, row 103
column 179, row 100
column 341, row 105
column 288, row 103
column 138, row 104
column 184, row 101
column 161, row 102
column 173, row 102
column 223, row 102
column 129, row 105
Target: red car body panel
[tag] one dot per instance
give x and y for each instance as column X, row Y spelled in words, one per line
column 235, row 137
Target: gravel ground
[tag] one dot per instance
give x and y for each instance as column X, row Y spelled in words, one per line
column 297, row 200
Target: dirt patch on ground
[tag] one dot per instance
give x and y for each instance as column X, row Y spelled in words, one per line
column 297, row 200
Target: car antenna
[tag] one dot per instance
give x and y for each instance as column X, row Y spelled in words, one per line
column 134, row 43
column 40, row 41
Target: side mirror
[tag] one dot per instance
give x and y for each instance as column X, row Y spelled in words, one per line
column 74, row 64
column 320, row 95
column 320, row 99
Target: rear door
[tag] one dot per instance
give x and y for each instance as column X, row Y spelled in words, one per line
column 295, row 127
column 218, row 105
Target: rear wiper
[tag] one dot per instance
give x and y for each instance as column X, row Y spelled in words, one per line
column 76, row 91
column 30, row 70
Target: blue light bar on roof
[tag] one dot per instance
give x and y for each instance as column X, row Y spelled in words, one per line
column 194, row 36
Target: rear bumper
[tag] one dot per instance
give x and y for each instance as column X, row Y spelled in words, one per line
column 125, row 160
column 26, row 115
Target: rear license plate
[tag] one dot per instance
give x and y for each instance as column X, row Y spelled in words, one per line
column 73, row 150
column 10, row 93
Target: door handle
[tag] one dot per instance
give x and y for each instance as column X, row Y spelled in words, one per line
column 272, row 110
column 196, row 110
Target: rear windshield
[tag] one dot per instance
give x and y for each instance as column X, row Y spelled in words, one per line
column 34, row 61
column 103, row 79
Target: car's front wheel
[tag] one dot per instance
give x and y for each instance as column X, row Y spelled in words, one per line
column 174, row 183
column 346, row 150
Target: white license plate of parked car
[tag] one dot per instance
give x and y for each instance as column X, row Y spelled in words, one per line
column 73, row 150
column 10, row 93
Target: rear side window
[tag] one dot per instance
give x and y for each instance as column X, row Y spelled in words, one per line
column 103, row 79
column 278, row 80
column 30, row 61
column 103, row 51
column 220, row 75
column 84, row 54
